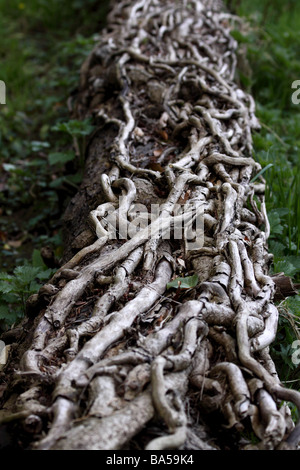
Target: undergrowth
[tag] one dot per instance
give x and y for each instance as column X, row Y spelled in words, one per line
column 43, row 44
column 271, row 39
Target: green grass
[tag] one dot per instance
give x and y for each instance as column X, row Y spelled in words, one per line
column 272, row 39
column 273, row 43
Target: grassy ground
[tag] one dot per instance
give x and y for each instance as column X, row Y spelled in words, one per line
column 272, row 40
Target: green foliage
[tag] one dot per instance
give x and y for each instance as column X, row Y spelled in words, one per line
column 78, row 130
column 75, row 128
column 282, row 349
column 43, row 45
column 15, row 288
column 60, row 158
column 273, row 42
column 183, row 282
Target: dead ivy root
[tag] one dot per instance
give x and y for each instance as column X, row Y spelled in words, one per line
column 148, row 367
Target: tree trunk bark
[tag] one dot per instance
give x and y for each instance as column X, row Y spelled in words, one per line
column 111, row 356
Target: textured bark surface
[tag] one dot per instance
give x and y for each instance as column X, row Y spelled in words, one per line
column 110, row 358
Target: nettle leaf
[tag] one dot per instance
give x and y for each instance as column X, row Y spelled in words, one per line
column 295, row 260
column 75, row 127
column 184, row 282
column 5, row 313
column 9, row 315
column 282, row 211
column 276, row 248
column 286, row 353
column 275, row 223
column 10, row 298
column 285, row 266
column 6, row 287
column 44, row 275
column 293, row 304
column 6, row 277
column 34, row 287
column 26, row 274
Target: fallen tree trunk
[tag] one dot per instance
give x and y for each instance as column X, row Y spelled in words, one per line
column 111, row 357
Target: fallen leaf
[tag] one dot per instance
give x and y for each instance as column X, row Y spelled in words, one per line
column 156, row 167
column 163, row 134
column 15, row 243
column 183, row 199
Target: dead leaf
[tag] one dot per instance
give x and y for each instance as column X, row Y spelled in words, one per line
column 163, row 134
column 184, row 198
column 156, row 167
column 15, row 243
